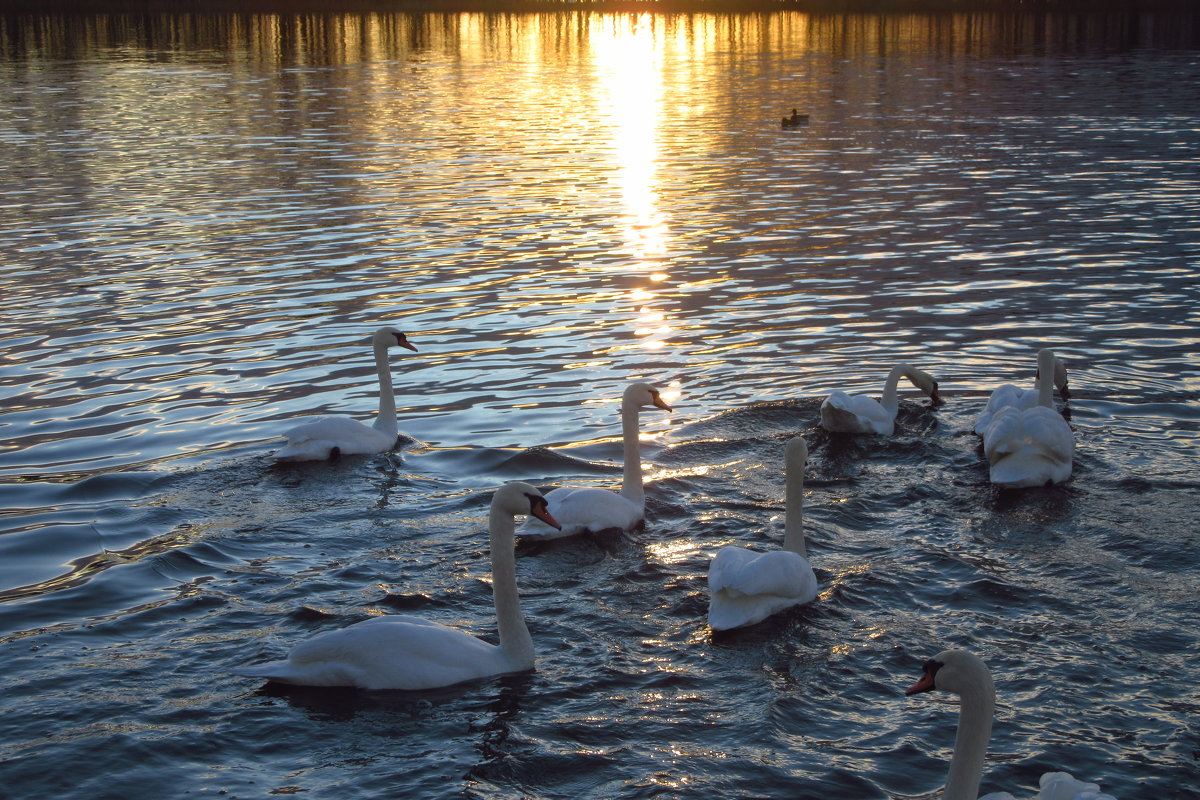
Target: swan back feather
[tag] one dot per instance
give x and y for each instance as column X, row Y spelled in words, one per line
column 1030, row 446
column 746, row 587
column 849, row 413
column 591, row 509
column 326, row 437
column 1010, row 396
column 411, row 653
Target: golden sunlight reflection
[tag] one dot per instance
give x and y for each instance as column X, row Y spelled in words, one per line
column 629, row 74
column 677, row 552
column 839, row 579
column 671, row 392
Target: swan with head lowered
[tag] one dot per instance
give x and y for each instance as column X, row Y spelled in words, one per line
column 329, row 437
column 853, row 413
column 1030, row 446
column 746, row 587
column 591, row 509
column 964, row 674
column 411, row 653
column 1010, row 396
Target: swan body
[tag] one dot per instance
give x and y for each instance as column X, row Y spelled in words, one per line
column 964, row 674
column 850, row 413
column 746, row 587
column 411, row 653
column 323, row 438
column 1030, row 446
column 591, row 509
column 1010, row 396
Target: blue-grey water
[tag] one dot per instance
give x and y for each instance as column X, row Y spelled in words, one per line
column 203, row 217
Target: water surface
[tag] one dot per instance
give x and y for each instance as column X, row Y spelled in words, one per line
column 204, row 217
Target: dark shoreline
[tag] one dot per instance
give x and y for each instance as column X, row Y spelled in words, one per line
column 670, row 6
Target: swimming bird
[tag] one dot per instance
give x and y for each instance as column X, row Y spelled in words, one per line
column 1030, row 446
column 852, row 413
column 1008, row 395
column 746, row 587
column 965, row 674
column 591, row 509
column 329, row 437
column 796, row 120
column 411, row 653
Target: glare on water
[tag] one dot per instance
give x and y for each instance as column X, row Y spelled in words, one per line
column 204, row 217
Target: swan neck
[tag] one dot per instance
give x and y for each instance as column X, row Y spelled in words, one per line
column 1045, row 378
column 891, row 397
column 515, row 641
column 971, row 740
column 631, row 484
column 793, row 515
column 386, row 421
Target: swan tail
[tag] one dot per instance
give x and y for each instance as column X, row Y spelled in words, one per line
column 727, row 611
column 1023, row 469
column 287, row 672
column 838, row 419
column 852, row 413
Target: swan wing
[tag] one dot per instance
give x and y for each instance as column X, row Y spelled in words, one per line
column 584, row 509
column 316, row 439
column 1059, row 786
column 1062, row 786
column 855, row 413
column 391, row 652
column 747, row 587
column 1006, row 396
column 1033, row 447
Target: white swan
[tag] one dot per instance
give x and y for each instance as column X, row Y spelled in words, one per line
column 1009, row 395
column 328, row 437
column 852, row 413
column 747, row 587
column 411, row 653
column 967, row 676
column 590, row 509
column 1032, row 446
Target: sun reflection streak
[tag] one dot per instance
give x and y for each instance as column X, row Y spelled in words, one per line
column 630, row 73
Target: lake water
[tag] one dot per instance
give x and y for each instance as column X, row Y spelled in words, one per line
column 202, row 219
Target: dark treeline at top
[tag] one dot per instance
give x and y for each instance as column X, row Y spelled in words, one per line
column 417, row 6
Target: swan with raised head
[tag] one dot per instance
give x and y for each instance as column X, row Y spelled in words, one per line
column 964, row 674
column 853, row 413
column 580, row 509
column 411, row 653
column 1010, row 396
column 1031, row 446
column 746, row 587
column 329, row 437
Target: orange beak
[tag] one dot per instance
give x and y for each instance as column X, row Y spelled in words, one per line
column 925, row 684
column 539, row 510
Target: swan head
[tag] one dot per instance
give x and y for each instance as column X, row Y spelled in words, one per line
column 390, row 337
column 1046, row 358
column 925, row 382
column 521, row 498
column 639, row 395
column 955, row 671
column 796, row 452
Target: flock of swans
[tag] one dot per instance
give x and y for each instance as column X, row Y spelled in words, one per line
column 1026, row 441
